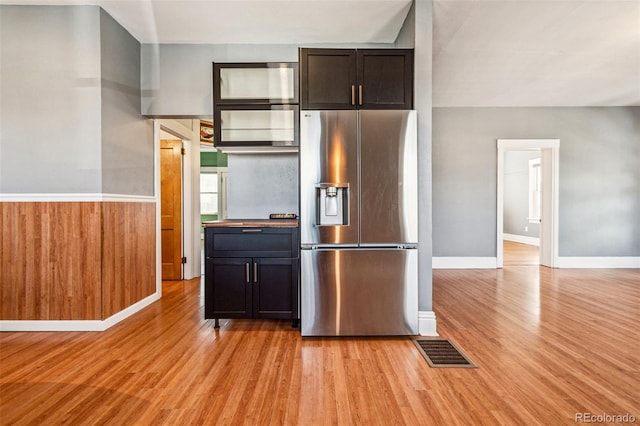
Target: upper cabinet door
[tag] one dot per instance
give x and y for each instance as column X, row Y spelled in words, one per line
column 328, row 79
column 385, row 78
column 256, row 125
column 353, row 79
column 255, row 83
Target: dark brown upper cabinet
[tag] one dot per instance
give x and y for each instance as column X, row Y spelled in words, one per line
column 356, row 79
column 328, row 78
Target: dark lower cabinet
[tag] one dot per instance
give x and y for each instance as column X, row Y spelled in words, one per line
column 264, row 285
column 275, row 292
column 228, row 291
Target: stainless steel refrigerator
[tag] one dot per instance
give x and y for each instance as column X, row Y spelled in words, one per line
column 358, row 223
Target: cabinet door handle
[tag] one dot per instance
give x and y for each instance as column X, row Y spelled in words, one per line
column 251, row 230
column 246, row 271
column 353, row 94
column 255, row 272
column 360, row 94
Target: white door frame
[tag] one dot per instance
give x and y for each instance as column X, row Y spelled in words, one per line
column 550, row 165
column 190, row 193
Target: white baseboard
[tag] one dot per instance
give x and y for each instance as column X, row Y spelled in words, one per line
column 562, row 262
column 523, row 239
column 465, row 263
column 598, row 262
column 427, row 323
column 79, row 325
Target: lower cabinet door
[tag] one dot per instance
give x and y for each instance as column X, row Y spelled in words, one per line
column 228, row 288
column 275, row 288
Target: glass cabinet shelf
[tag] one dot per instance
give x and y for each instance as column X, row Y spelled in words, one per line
column 255, row 83
column 257, row 125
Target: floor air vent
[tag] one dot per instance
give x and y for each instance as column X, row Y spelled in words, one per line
column 443, row 353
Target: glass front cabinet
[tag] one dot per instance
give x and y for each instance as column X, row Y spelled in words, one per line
column 255, row 104
column 256, row 83
column 256, row 125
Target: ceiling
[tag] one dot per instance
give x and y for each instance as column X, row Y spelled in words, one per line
column 485, row 52
column 536, row 53
column 252, row 21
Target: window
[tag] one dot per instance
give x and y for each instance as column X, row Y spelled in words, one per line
column 535, row 186
column 209, row 193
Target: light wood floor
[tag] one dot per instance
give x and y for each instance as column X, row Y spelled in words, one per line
column 520, row 254
column 549, row 343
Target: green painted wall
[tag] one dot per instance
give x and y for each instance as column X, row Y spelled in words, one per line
column 213, row 159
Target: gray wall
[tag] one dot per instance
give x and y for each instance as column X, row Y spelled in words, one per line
column 70, row 106
column 260, row 184
column 516, row 194
column 50, row 104
column 407, row 35
column 422, row 27
column 599, row 177
column 127, row 139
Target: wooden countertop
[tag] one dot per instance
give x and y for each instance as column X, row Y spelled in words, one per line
column 253, row 223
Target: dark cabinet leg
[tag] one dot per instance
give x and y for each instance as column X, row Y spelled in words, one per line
column 216, row 324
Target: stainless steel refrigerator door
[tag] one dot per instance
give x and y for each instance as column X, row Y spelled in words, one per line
column 389, row 177
column 328, row 154
column 359, row 292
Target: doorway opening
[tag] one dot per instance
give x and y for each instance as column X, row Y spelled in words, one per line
column 187, row 131
column 542, row 171
column 522, row 187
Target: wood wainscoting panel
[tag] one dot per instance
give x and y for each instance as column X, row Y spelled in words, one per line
column 51, row 261
column 129, row 254
column 75, row 260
